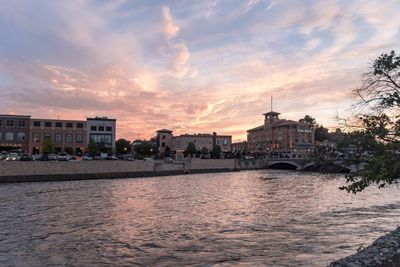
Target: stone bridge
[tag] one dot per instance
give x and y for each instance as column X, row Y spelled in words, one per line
column 303, row 164
column 289, row 163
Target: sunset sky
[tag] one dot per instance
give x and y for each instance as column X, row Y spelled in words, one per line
column 189, row 66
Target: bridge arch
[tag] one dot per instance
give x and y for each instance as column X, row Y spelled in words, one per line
column 283, row 165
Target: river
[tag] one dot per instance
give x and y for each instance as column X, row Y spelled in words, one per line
column 248, row 218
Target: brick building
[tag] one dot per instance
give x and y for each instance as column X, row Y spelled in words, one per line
column 66, row 135
column 14, row 133
column 280, row 137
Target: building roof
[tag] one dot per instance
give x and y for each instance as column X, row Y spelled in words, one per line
column 273, row 113
column 100, row 119
column 164, row 131
column 15, row 116
column 256, row 129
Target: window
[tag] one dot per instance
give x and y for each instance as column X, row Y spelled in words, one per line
column 10, row 123
column 225, row 142
column 1, row 123
column 162, row 144
column 68, row 138
column 47, row 136
column 36, row 137
column 69, row 124
column 21, row 124
column 0, row 135
column 93, row 128
column 58, row 138
column 59, row 124
column 20, row 136
column 9, row 136
column 101, row 138
column 36, row 123
column 47, row 124
column 79, row 138
column 108, row 129
column 101, row 128
column 79, row 125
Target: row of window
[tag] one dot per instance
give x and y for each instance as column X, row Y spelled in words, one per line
column 58, row 138
column 10, row 136
column 101, row 138
column 57, row 124
column 101, row 128
column 13, row 123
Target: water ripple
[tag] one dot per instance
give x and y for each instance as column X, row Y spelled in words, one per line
column 253, row 218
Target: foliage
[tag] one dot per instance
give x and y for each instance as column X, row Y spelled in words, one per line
column 92, row 148
column 48, row 146
column 321, row 133
column 167, row 151
column 216, row 151
column 379, row 100
column 145, row 148
column 190, row 149
column 123, row 146
column 309, row 120
column 204, row 151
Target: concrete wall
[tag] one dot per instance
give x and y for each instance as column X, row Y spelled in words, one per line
column 15, row 168
column 17, row 171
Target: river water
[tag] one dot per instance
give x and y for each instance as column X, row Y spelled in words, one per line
column 249, row 218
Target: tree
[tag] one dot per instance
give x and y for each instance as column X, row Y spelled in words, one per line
column 145, row 148
column 92, row 148
column 205, row 152
column 48, row 146
column 167, row 151
column 321, row 133
column 190, row 149
column 379, row 118
column 216, row 151
column 123, row 146
column 308, row 120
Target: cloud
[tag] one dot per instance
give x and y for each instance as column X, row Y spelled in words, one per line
column 198, row 66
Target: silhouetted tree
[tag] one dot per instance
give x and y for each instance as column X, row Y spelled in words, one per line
column 216, row 151
column 123, row 146
column 379, row 118
column 190, row 149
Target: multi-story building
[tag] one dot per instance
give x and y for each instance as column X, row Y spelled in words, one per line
column 66, row 135
column 179, row 143
column 14, row 133
column 102, row 131
column 239, row 147
column 280, row 137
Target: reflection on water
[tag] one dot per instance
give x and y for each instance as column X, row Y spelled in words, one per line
column 266, row 217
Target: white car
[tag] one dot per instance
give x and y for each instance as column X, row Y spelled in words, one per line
column 12, row 157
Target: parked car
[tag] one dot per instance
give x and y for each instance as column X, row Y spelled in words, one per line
column 62, row 157
column 25, row 157
column 52, row 157
column 87, row 157
column 42, row 157
column 128, row 158
column 111, row 157
column 12, row 157
column 3, row 156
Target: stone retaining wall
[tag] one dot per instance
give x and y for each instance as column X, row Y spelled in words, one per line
column 20, row 171
column 384, row 252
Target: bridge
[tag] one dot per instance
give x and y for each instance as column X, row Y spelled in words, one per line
column 304, row 164
column 289, row 163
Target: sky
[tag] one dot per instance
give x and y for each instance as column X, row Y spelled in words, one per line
column 189, row 66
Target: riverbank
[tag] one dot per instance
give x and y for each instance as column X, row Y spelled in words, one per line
column 384, row 252
column 36, row 171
